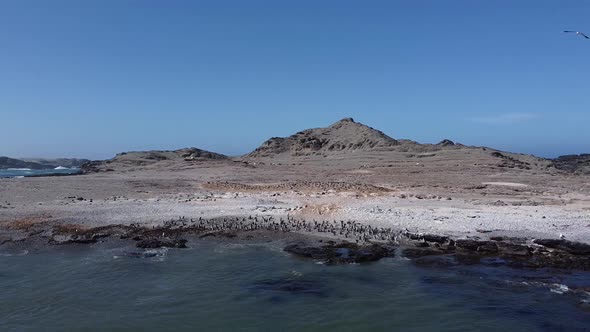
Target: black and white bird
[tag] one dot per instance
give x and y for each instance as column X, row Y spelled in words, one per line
column 578, row 33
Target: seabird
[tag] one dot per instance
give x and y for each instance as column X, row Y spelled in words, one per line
column 577, row 33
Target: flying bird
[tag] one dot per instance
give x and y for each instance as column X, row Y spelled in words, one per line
column 578, row 33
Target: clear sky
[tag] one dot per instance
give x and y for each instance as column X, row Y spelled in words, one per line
column 94, row 78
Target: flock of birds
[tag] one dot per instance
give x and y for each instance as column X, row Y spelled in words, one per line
column 350, row 230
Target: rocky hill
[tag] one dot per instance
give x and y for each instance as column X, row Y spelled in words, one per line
column 573, row 163
column 354, row 144
column 143, row 159
column 344, row 136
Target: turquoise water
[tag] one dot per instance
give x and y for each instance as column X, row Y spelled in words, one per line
column 257, row 287
column 18, row 172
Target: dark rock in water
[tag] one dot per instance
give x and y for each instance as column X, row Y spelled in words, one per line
column 81, row 240
column 341, row 253
column 140, row 254
column 575, row 248
column 436, row 261
column 555, row 259
column 553, row 253
column 156, row 243
column 291, row 286
column 420, row 252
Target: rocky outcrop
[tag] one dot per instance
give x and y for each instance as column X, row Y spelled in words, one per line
column 555, row 253
column 511, row 162
column 341, row 253
column 573, row 163
column 575, row 248
column 139, row 159
column 446, row 142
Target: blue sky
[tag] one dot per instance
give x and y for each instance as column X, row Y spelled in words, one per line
column 94, row 78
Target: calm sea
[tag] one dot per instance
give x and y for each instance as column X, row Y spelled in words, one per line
column 258, row 287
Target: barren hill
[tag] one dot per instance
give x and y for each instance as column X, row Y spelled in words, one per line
column 152, row 159
column 343, row 136
column 352, row 144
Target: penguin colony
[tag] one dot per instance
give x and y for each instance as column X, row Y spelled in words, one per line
column 350, row 230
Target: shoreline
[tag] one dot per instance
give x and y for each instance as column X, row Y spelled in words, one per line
column 474, row 210
column 321, row 241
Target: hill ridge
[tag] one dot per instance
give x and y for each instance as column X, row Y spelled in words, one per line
column 342, row 136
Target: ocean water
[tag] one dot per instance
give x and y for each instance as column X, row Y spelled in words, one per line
column 24, row 172
column 258, row 287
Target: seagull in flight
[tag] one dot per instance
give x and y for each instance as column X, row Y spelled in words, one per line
column 578, row 33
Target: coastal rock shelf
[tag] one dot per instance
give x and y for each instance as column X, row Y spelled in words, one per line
column 375, row 244
column 342, row 253
column 512, row 252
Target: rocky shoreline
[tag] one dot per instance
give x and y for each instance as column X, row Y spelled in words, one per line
column 334, row 243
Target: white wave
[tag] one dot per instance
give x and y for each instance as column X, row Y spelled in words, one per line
column 19, row 169
column 61, row 167
column 559, row 289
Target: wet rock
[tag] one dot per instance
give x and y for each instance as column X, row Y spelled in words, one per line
column 341, row 253
column 436, row 261
column 513, row 250
column 229, row 235
column 80, row 240
column 576, row 248
column 556, row 259
column 157, row 243
column 475, row 246
column 420, row 252
column 291, row 286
